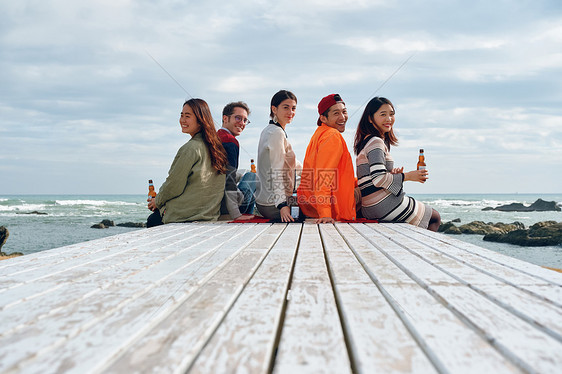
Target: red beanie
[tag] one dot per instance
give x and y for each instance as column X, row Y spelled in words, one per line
column 326, row 103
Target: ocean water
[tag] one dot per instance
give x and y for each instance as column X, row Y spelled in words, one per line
column 68, row 219
column 468, row 208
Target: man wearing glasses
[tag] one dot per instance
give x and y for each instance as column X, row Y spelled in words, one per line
column 238, row 200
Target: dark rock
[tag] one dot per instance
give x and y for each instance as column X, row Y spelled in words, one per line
column 481, row 228
column 543, row 224
column 478, row 228
column 4, row 234
column 540, row 234
column 132, row 224
column 494, row 237
column 457, row 220
column 513, row 237
column 444, row 226
column 454, row 230
column 449, row 228
column 547, row 229
column 538, row 206
column 488, row 208
column 5, row 256
column 34, row 212
column 507, row 227
column 107, row 223
column 513, row 207
column 544, row 206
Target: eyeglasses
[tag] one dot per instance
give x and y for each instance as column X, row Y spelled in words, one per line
column 238, row 118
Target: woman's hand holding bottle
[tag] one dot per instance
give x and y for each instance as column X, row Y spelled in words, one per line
column 416, row 176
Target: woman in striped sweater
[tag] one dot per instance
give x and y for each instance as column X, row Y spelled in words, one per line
column 381, row 184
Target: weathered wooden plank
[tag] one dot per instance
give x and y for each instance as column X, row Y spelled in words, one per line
column 505, row 274
column 386, row 298
column 106, row 300
column 99, row 325
column 101, row 269
column 451, row 345
column 485, row 317
column 312, row 339
column 537, row 351
column 245, row 340
column 171, row 344
column 62, row 290
column 54, row 255
column 46, row 259
column 540, row 312
column 88, row 253
column 378, row 339
column 539, row 282
column 525, row 267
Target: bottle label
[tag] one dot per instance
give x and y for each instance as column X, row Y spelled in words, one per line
column 421, row 167
column 295, row 212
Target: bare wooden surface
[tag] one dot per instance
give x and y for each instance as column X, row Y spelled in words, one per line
column 262, row 298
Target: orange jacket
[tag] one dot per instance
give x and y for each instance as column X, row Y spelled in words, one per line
column 327, row 179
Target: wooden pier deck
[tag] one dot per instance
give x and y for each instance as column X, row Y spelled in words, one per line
column 281, row 298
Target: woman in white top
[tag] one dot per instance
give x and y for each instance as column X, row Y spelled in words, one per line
column 277, row 164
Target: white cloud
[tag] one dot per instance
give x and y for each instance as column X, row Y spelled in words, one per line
column 497, row 56
column 421, row 42
column 243, row 82
column 79, row 88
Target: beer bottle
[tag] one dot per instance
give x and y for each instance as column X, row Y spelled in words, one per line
column 151, row 192
column 421, row 161
column 293, row 201
column 252, row 166
column 294, row 205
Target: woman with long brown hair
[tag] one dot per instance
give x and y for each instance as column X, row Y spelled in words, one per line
column 194, row 187
column 381, row 184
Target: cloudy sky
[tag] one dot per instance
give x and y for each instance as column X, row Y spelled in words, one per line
column 90, row 90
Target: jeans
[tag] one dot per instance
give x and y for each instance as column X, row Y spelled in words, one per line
column 247, row 185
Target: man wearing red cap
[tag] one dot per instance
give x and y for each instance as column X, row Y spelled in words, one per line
column 326, row 191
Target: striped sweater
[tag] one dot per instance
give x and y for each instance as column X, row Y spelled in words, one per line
column 382, row 195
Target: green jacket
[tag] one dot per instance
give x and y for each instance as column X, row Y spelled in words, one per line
column 193, row 189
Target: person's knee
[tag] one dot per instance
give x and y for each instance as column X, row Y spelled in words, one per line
column 434, row 221
column 249, row 177
column 436, row 216
column 248, row 182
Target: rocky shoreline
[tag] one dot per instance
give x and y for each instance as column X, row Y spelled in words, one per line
column 539, row 205
column 4, row 234
column 106, row 223
column 546, row 233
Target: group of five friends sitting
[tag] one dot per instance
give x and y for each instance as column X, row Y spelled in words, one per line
column 202, row 182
